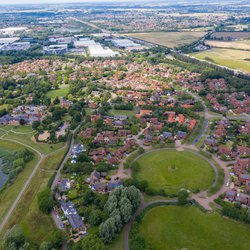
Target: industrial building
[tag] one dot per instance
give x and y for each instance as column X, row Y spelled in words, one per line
column 98, row 51
column 15, row 46
column 84, row 42
column 58, row 49
column 124, row 43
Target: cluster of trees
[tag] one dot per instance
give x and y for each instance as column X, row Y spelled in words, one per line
column 124, row 106
column 83, row 165
column 234, row 210
column 120, row 206
column 20, row 159
column 93, row 207
column 14, row 239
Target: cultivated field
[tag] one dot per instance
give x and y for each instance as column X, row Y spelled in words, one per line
column 176, row 227
column 235, row 59
column 241, row 45
column 231, row 35
column 169, row 39
column 171, row 170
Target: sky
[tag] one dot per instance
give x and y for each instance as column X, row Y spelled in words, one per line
column 53, row 1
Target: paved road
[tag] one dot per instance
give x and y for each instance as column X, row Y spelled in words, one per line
column 58, row 174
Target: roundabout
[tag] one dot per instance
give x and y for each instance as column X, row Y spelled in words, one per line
column 171, row 170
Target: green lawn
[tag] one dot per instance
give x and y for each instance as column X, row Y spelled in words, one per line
column 122, row 112
column 118, row 243
column 176, row 227
column 235, row 59
column 171, row 170
column 44, row 148
column 36, row 225
column 61, row 92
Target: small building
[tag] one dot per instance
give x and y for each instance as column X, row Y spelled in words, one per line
column 64, row 185
column 181, row 135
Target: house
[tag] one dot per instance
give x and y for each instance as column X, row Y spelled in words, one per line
column 181, row 135
column 243, row 199
column 211, row 142
column 224, row 150
column 166, row 135
column 65, row 103
column 99, row 187
column 244, row 178
column 112, row 185
column 94, row 177
column 230, row 195
column 77, row 149
column 241, row 166
column 192, row 124
column 243, row 151
column 64, row 185
column 73, row 217
column 181, row 118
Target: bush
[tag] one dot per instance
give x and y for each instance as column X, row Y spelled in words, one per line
column 45, row 201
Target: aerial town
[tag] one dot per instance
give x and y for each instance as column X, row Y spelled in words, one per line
column 124, row 125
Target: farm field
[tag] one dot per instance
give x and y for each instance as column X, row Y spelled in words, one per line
column 235, row 59
column 232, row 35
column 171, row 170
column 178, row 227
column 241, row 45
column 169, row 39
column 9, row 195
column 36, row 225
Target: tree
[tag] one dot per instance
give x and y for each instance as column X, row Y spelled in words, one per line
column 95, row 217
column 92, row 242
column 22, row 122
column 134, row 196
column 45, row 201
column 57, row 239
column 14, row 237
column 107, row 230
column 125, row 209
column 36, row 124
column 182, row 196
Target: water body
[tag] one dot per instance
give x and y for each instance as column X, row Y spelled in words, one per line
column 3, row 176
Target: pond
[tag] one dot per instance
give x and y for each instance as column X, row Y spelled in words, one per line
column 3, row 177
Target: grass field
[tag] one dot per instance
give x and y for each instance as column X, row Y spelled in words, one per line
column 235, row 59
column 176, row 227
column 122, row 112
column 241, row 45
column 118, row 243
column 36, row 225
column 8, row 195
column 61, row 92
column 44, row 148
column 171, row 170
column 169, row 39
